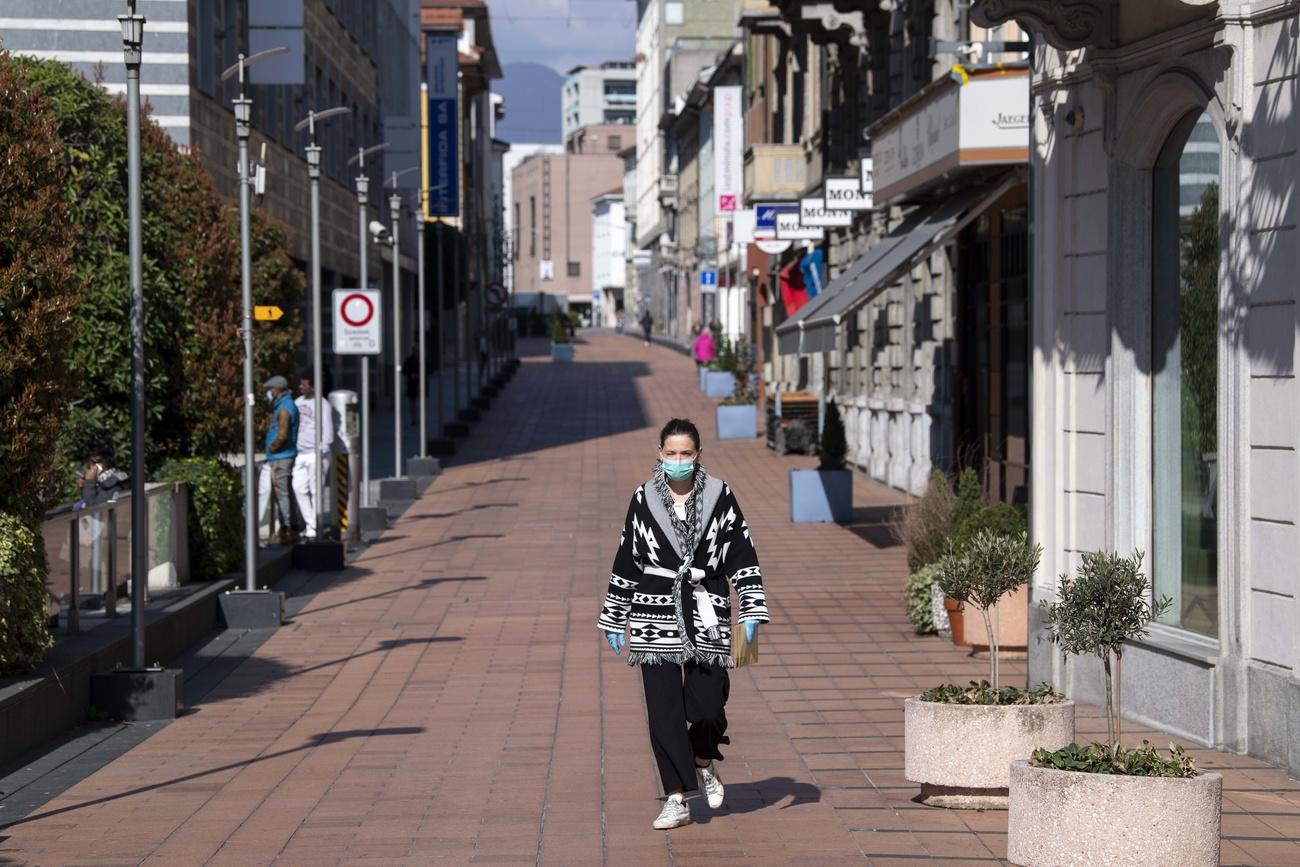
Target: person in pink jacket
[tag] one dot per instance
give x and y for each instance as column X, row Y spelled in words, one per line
column 703, row 348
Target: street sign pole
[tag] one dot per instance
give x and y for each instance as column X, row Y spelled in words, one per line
column 395, row 214
column 363, row 188
column 438, row 344
column 421, row 328
column 243, row 107
column 133, row 50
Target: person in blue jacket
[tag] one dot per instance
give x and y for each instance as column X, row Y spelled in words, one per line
column 281, row 449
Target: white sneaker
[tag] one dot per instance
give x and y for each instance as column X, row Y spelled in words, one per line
column 676, row 812
column 712, row 785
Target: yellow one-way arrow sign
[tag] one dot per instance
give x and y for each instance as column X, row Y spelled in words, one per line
column 267, row 314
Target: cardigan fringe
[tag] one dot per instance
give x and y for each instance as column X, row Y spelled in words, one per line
column 650, row 657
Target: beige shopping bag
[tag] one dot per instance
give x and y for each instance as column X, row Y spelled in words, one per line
column 743, row 652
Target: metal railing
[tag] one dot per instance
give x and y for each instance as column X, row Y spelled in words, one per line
column 89, row 551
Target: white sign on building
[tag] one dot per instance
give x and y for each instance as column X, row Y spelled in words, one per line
column 845, row 194
column 728, row 148
column 788, row 228
column 357, row 322
column 813, row 212
column 983, row 122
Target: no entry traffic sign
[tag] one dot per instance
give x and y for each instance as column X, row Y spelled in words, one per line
column 356, row 322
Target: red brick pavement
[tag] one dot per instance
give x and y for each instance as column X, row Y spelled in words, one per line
column 448, row 699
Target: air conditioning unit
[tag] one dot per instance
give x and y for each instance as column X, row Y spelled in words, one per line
column 667, row 187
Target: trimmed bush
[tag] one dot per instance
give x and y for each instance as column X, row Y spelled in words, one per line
column 216, row 514
column 23, row 569
column 834, row 447
column 923, row 528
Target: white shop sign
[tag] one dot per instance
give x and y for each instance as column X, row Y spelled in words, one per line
column 357, row 322
column 983, row 122
column 813, row 212
column 788, row 228
column 845, row 194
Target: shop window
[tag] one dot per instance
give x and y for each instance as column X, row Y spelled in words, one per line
column 1184, row 362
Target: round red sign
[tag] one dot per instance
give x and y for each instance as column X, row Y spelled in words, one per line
column 356, row 310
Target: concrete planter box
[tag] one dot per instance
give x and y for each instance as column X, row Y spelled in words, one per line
column 961, row 754
column 1072, row 818
column 562, row 352
column 821, row 495
column 739, row 422
column 704, row 373
column 719, row 384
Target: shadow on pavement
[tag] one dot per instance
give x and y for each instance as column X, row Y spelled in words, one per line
column 427, row 582
column 874, row 525
column 449, row 540
column 761, row 795
column 467, row 509
column 551, row 405
column 315, row 741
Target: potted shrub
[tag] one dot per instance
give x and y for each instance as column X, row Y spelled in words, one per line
column 737, row 415
column 719, row 379
column 922, row 529
column 561, row 343
column 826, row 493
column 959, row 742
column 1104, row 803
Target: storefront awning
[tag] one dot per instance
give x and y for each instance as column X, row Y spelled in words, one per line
column 814, row 330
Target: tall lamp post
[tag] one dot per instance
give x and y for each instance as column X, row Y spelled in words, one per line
column 313, row 172
column 363, row 195
column 132, row 51
column 395, row 216
column 243, row 111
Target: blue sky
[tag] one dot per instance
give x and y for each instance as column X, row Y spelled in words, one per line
column 563, row 33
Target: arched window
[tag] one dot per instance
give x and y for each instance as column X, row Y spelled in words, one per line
column 1184, row 363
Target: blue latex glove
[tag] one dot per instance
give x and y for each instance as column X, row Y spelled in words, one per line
column 615, row 640
column 751, row 628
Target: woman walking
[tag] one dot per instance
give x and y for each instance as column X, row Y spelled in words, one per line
column 684, row 541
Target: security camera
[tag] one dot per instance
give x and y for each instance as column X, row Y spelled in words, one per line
column 378, row 232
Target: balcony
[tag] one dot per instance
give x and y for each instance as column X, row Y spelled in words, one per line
column 775, row 171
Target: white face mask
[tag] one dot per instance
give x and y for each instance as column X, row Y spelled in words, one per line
column 270, row 397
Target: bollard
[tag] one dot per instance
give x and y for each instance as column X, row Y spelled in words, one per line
column 342, row 489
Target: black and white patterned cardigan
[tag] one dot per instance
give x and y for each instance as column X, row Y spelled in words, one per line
column 645, row 601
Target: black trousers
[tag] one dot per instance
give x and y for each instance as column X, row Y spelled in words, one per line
column 678, row 696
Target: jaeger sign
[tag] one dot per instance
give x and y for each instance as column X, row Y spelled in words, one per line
column 981, row 122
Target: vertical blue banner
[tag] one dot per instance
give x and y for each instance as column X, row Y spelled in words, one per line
column 443, row 124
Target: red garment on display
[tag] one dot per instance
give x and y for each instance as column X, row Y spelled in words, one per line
column 793, row 293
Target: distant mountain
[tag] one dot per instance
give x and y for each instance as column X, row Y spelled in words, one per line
column 533, row 93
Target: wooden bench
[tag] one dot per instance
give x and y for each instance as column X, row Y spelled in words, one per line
column 792, row 422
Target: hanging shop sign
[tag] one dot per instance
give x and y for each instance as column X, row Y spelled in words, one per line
column 950, row 125
column 789, row 228
column 813, row 212
column 728, row 148
column 845, row 194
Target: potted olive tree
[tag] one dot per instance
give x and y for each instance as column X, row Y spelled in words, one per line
column 737, row 415
column 561, row 343
column 959, row 742
column 1105, row 803
column 826, row 493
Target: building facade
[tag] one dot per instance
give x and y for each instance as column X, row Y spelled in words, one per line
column 602, row 95
column 1164, row 333
column 608, row 264
column 552, row 196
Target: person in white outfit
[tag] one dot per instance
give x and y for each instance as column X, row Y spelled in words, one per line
column 304, row 465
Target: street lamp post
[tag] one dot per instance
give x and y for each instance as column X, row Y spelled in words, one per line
column 363, row 194
column 419, row 291
column 243, row 112
column 395, row 215
column 313, row 173
column 133, row 50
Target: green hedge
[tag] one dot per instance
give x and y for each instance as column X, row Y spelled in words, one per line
column 23, row 636
column 216, row 514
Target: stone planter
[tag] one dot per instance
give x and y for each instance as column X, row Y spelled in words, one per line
column 961, row 754
column 719, row 384
column 704, row 373
column 737, row 422
column 821, row 495
column 1012, row 619
column 562, row 352
column 1073, row 818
